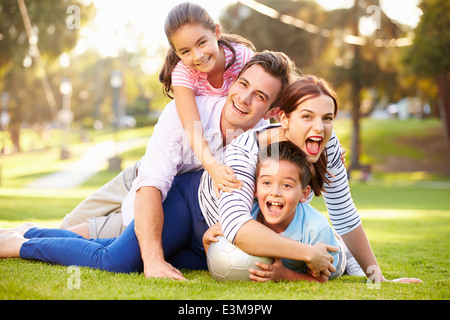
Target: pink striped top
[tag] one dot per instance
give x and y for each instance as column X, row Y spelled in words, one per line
column 196, row 80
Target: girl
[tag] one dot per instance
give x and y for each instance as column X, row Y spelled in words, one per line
column 201, row 61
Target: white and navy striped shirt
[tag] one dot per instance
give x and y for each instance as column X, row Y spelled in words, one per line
column 234, row 209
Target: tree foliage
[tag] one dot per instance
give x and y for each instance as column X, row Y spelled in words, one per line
column 55, row 29
column 351, row 68
column 429, row 55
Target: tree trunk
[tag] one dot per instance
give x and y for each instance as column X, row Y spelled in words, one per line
column 14, row 132
column 355, row 95
column 444, row 104
column 355, row 140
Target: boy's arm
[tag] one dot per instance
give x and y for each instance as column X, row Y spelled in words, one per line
column 278, row 272
column 211, row 235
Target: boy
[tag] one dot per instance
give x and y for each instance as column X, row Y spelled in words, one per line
column 283, row 178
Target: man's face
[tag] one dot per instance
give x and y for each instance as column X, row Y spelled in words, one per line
column 249, row 99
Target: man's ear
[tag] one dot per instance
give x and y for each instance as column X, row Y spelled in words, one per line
column 305, row 193
column 271, row 113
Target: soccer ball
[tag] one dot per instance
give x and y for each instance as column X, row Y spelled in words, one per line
column 226, row 262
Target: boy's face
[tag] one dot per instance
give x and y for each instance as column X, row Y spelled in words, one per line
column 279, row 190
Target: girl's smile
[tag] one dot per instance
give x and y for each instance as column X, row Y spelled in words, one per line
column 198, row 47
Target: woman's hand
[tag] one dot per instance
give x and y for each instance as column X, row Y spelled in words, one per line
column 320, row 261
column 406, row 280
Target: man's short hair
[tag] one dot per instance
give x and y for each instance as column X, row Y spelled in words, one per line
column 278, row 65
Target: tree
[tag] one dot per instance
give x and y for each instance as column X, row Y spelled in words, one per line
column 429, row 55
column 361, row 66
column 35, row 32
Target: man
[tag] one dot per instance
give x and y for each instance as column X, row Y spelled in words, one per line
column 251, row 97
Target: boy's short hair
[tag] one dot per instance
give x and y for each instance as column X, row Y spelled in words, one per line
column 286, row 150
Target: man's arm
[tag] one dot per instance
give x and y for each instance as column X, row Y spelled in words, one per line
column 149, row 220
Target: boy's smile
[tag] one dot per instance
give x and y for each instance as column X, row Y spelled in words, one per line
column 279, row 190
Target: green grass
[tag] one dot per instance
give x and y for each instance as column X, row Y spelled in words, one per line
column 406, row 217
column 403, row 139
column 408, row 240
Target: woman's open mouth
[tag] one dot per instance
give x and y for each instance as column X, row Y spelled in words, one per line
column 314, row 144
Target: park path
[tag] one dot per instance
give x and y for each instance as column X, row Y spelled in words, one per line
column 91, row 162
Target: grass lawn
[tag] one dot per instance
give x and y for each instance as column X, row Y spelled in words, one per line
column 406, row 220
column 408, row 239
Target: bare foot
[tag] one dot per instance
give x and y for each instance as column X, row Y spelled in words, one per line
column 10, row 244
column 20, row 229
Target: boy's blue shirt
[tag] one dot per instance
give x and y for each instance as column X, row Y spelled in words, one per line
column 308, row 226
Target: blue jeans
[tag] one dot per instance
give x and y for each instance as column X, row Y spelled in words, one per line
column 183, row 229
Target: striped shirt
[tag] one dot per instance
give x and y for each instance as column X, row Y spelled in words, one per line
column 234, row 209
column 197, row 81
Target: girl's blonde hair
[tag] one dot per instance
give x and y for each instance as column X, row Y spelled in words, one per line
column 190, row 13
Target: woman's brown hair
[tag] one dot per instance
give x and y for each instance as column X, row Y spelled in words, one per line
column 306, row 87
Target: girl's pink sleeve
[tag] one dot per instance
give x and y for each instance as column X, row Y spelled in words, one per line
column 181, row 76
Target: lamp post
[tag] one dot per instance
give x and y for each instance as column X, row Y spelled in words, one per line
column 115, row 163
column 4, row 122
column 65, row 115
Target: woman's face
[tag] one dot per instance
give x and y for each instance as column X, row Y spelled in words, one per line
column 310, row 125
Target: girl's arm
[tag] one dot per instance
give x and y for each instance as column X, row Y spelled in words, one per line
column 223, row 176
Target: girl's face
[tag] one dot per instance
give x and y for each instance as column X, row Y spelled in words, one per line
column 279, row 190
column 310, row 125
column 197, row 46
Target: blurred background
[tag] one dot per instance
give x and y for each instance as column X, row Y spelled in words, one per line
column 74, row 74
